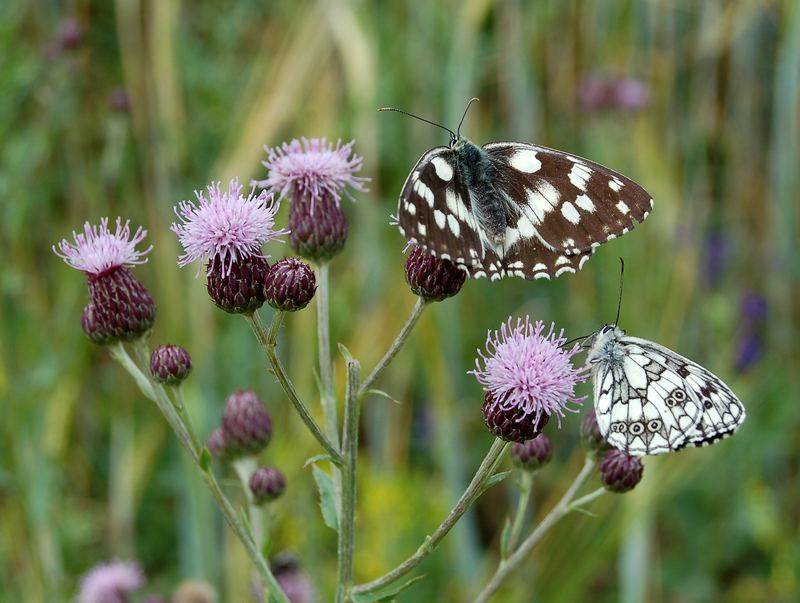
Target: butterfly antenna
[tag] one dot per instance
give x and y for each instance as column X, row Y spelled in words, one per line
column 427, row 121
column 472, row 100
column 581, row 339
column 619, row 303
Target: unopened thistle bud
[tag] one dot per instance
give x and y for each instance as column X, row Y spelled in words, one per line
column 217, row 444
column 290, row 285
column 170, row 364
column 533, row 454
column 620, row 472
column 267, row 484
column 511, row 424
column 591, row 437
column 246, row 424
column 314, row 173
column 240, row 290
column 120, row 307
column 432, row 278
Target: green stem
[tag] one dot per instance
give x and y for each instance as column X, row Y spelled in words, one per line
column 244, row 468
column 156, row 392
column 268, row 341
column 471, row 494
column 416, row 312
column 525, row 486
column 562, row 508
column 328, row 396
column 349, row 473
column 183, row 414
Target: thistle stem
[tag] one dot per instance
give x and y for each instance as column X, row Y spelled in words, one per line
column 525, row 487
column 470, row 495
column 244, row 468
column 562, row 508
column 268, row 341
column 348, row 493
column 328, row 396
column 416, row 312
column 156, row 392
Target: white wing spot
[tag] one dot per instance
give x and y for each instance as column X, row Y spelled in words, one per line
column 579, row 176
column 452, row 222
column 411, row 208
column 614, row 184
column 542, row 200
column 561, row 271
column 525, row 227
column 622, row 207
column 422, row 229
column 570, row 213
column 439, row 217
column 443, row 169
column 561, row 260
column 585, row 203
column 525, row 161
column 423, row 191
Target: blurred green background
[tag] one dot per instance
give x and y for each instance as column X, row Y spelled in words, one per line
column 125, row 107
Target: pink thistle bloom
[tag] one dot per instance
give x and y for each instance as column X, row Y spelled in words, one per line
column 225, row 227
column 528, row 371
column 97, row 250
column 312, row 167
column 111, row 582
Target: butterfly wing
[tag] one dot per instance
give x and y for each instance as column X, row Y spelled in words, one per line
column 721, row 410
column 570, row 204
column 435, row 212
column 642, row 405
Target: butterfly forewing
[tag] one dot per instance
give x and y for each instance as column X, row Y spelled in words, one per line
column 571, row 204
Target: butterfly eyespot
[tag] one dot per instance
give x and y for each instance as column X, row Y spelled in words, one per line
column 679, row 395
column 654, row 425
column 618, row 427
column 636, row 428
column 670, row 402
column 708, row 404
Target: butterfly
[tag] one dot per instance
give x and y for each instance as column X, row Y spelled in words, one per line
column 513, row 208
column 651, row 400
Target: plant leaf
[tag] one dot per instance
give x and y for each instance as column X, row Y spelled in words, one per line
column 495, row 479
column 318, row 458
column 385, row 594
column 505, row 538
column 327, row 499
column 205, row 460
column 380, row 392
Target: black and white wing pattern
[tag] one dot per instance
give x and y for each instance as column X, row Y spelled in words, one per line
column 557, row 208
column 651, row 400
column 572, row 203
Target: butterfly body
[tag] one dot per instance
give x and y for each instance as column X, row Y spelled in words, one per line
column 515, row 209
column 651, row 400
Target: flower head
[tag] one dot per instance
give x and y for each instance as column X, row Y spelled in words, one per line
column 225, row 227
column 111, row 582
column 432, row 278
column 267, row 484
column 97, row 250
column 532, row 454
column 246, row 424
column 312, row 167
column 528, row 372
column 290, row 285
column 619, row 471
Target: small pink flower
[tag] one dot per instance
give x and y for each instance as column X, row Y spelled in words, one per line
column 527, row 371
column 313, row 167
column 97, row 250
column 225, row 226
column 111, row 582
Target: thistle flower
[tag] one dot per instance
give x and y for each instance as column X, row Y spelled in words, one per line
column 432, row 278
column 532, row 454
column 120, row 307
column 170, row 364
column 294, row 583
column 527, row 376
column 315, row 173
column 246, row 424
column 267, row 484
column 620, row 472
column 111, row 583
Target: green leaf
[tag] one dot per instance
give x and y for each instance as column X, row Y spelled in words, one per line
column 380, row 392
column 348, row 357
column 318, row 459
column 495, row 479
column 245, row 519
column 505, row 538
column 205, row 460
column 387, row 593
column 327, row 499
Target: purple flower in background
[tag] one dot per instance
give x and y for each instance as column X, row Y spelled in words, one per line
column 528, row 372
column 599, row 92
column 749, row 352
column 753, row 308
column 717, row 252
column 312, row 167
column 294, row 583
column 97, row 250
column 630, row 94
column 111, row 582
column 225, row 227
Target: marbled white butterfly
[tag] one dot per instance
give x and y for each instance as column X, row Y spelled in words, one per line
column 513, row 208
column 650, row 400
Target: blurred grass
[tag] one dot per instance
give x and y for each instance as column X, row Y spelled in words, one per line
column 89, row 471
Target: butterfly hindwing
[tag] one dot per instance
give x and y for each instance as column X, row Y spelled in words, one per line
column 569, row 203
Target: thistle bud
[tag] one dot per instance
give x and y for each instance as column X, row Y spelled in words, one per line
column 267, row 484
column 290, row 285
column 620, row 472
column 194, row 591
column 533, row 454
column 318, row 226
column 170, row 364
column 240, row 289
column 432, row 278
column 95, row 329
column 511, row 424
column 591, row 437
column 246, row 424
column 217, row 444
